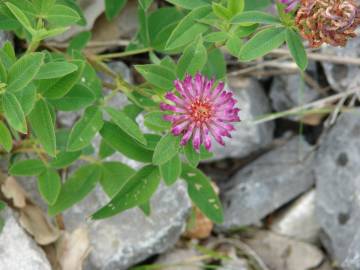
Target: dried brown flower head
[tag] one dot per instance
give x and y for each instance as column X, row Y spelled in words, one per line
column 328, row 21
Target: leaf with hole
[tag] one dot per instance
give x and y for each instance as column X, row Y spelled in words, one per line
column 202, row 193
column 137, row 191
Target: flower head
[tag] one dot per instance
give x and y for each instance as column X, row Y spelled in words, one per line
column 328, row 21
column 291, row 4
column 201, row 110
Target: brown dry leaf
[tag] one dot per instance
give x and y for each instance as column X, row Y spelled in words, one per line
column 13, row 191
column 72, row 249
column 313, row 119
column 201, row 227
column 34, row 221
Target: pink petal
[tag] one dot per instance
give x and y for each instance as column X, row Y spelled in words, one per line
column 172, row 97
column 218, row 89
column 188, row 134
column 197, row 139
column 168, row 107
column 178, row 128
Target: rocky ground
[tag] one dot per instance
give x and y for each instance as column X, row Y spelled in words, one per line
column 290, row 187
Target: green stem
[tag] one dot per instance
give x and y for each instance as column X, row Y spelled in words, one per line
column 32, row 46
column 123, row 54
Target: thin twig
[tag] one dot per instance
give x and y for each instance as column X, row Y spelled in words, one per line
column 316, row 104
column 323, row 57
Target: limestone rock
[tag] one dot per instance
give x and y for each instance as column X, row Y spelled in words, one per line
column 338, row 188
column 247, row 138
column 266, row 184
column 17, row 249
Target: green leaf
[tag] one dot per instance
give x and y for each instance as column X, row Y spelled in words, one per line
column 85, row 129
column 126, row 124
column 157, row 75
column 55, row 70
column 152, row 140
column 7, row 55
column 57, row 88
column 255, row 17
column 27, row 98
column 171, row 170
column 156, row 122
column 77, row 98
column 296, row 48
column 216, row 65
column 105, row 150
column 257, row 4
column 216, row 37
column 236, row 6
column 166, row 149
column 146, row 208
column 161, row 23
column 193, row 59
column 234, row 46
column 49, row 184
column 188, row 28
column 3, row 72
column 221, row 11
column 64, row 159
column 61, row 15
column 13, row 112
column 27, row 167
column 202, row 193
column 24, row 71
column 43, row 126
column 79, row 41
column 5, row 137
column 21, row 17
column 114, row 177
column 120, row 141
column 137, row 191
column 43, row 6
column 113, row 7
column 189, row 4
column 262, row 43
column 80, row 184
column 191, row 155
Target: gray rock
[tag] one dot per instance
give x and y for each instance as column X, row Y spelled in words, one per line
column 298, row 220
column 247, row 138
column 5, row 36
column 343, row 77
column 180, row 259
column 282, row 253
column 131, row 237
column 338, row 188
column 266, row 184
column 288, row 91
column 17, row 249
column 235, row 264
